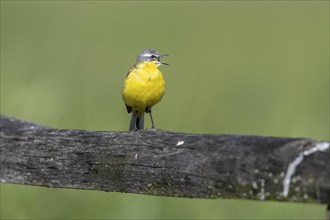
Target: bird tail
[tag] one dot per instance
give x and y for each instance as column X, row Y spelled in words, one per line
column 136, row 121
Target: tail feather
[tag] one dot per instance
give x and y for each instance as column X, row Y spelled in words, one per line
column 140, row 122
column 137, row 123
column 132, row 124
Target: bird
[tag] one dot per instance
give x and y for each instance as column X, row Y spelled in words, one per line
column 144, row 86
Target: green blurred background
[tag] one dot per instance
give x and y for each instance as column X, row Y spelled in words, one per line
column 243, row 67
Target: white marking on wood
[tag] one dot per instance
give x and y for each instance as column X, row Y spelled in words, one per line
column 179, row 143
column 323, row 146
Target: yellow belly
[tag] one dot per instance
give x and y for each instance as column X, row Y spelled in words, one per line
column 144, row 87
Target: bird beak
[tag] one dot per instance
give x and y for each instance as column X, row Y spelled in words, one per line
column 164, row 55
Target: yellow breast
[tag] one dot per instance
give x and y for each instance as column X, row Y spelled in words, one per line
column 143, row 87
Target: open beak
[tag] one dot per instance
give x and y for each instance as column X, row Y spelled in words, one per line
column 164, row 55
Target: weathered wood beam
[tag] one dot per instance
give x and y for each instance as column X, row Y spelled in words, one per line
column 165, row 163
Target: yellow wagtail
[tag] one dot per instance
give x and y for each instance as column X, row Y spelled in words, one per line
column 144, row 87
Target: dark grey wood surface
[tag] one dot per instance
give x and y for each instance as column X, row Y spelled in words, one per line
column 166, row 163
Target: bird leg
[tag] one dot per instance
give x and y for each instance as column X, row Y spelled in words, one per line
column 148, row 110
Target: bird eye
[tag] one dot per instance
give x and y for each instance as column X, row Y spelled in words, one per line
column 153, row 57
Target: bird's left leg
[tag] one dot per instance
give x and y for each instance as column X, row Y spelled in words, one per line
column 148, row 110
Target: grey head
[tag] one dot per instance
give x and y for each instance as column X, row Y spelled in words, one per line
column 150, row 55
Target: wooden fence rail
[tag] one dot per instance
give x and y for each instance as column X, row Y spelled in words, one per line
column 165, row 163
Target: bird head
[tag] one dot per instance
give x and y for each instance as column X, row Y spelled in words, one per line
column 151, row 55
